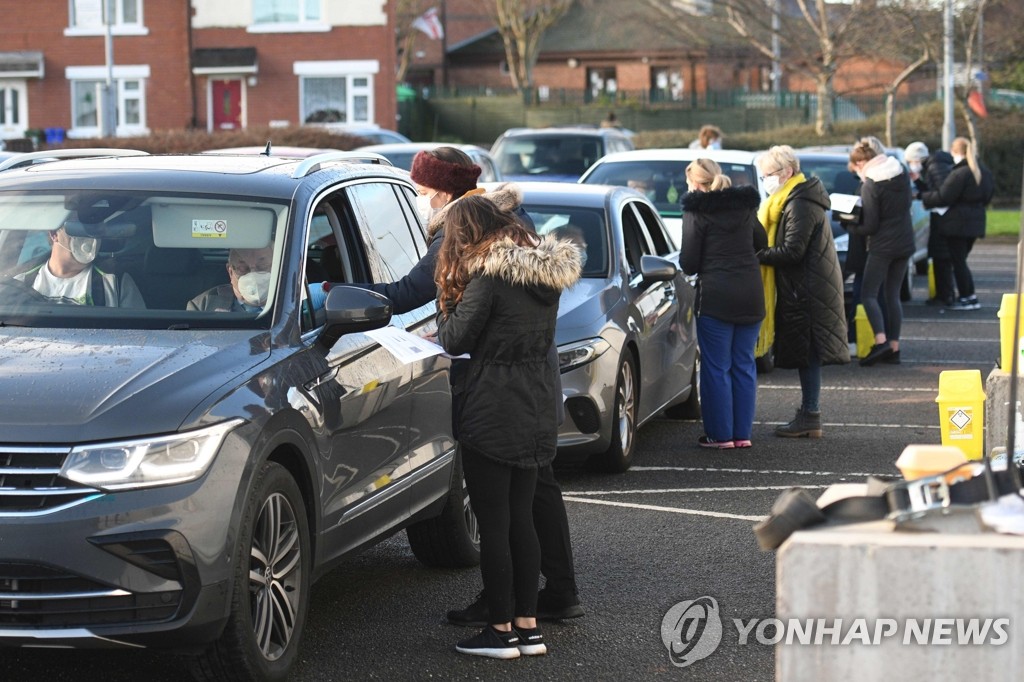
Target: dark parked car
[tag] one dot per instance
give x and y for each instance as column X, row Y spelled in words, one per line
column 179, row 477
column 557, row 154
column 626, row 335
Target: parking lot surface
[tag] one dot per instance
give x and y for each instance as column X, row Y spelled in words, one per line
column 675, row 527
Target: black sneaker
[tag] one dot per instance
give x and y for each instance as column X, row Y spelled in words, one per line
column 968, row 303
column 492, row 644
column 893, row 359
column 475, row 615
column 558, row 607
column 531, row 642
column 879, row 351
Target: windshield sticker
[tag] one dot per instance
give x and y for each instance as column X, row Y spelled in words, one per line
column 209, row 229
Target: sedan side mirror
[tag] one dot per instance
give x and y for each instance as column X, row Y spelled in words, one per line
column 350, row 310
column 657, row 269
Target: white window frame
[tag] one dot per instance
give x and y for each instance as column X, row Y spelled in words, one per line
column 121, row 74
column 97, row 27
column 350, row 70
column 303, row 25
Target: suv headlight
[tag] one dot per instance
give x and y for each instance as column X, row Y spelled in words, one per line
column 146, row 462
column 579, row 353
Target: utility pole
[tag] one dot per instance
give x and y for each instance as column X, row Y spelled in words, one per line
column 948, row 126
column 776, row 50
column 108, row 123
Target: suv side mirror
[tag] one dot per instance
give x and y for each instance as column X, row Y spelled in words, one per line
column 350, row 310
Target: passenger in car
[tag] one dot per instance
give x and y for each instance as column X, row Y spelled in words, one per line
column 70, row 276
column 498, row 291
column 249, row 275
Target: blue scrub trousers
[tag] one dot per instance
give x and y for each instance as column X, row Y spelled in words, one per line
column 728, row 377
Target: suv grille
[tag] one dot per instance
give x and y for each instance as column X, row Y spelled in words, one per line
column 30, row 482
column 38, row 596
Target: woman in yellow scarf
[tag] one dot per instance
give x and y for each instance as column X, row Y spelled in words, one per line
column 803, row 283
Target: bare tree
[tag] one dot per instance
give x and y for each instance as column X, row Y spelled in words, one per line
column 521, row 24
column 969, row 18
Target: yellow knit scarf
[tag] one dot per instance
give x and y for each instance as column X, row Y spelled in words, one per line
column 769, row 214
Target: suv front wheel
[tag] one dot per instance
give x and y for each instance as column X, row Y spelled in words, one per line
column 271, row 582
column 451, row 540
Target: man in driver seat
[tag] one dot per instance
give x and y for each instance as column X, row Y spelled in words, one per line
column 68, row 276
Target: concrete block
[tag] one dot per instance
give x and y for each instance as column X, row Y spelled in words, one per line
column 997, row 395
column 907, row 581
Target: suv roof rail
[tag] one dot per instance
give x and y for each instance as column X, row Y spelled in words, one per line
column 313, row 163
column 29, row 158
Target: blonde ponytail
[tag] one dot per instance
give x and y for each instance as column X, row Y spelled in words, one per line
column 966, row 147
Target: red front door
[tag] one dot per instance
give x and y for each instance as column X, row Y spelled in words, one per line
column 226, row 98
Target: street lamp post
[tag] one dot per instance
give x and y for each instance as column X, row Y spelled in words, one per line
column 948, row 126
column 108, row 127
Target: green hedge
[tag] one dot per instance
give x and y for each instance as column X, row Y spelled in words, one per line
column 1001, row 137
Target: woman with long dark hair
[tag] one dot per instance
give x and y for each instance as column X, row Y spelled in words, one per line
column 498, row 288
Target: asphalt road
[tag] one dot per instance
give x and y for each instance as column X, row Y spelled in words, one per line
column 677, row 526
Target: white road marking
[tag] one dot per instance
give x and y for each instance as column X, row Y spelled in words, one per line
column 655, row 491
column 866, row 426
column 756, row 471
column 858, row 389
column 673, row 510
column 946, row 339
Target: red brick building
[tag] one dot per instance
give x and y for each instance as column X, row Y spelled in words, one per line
column 210, row 64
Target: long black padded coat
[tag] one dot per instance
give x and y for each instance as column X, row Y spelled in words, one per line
column 502, row 403
column 965, row 198
column 808, row 281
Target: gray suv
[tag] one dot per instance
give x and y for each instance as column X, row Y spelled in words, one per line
column 189, row 438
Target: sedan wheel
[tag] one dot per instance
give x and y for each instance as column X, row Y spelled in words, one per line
column 619, row 455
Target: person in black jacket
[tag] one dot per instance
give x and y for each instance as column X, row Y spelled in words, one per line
column 885, row 221
column 809, row 320
column 929, row 171
column 498, row 288
column 966, row 191
column 721, row 237
column 442, row 176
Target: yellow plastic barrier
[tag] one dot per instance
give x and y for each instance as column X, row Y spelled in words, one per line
column 1007, row 344
column 962, row 410
column 931, row 278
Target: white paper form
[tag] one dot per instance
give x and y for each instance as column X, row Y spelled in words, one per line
column 844, row 203
column 403, row 345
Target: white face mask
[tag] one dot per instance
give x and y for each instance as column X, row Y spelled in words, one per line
column 957, row 159
column 715, row 144
column 253, row 287
column 424, row 208
column 772, row 184
column 82, row 249
column 915, row 166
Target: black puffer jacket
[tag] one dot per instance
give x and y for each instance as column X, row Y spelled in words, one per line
column 885, row 209
column 809, row 285
column 506, row 322
column 934, row 171
column 721, row 238
column 965, row 198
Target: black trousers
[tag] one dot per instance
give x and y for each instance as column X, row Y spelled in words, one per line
column 502, row 498
column 552, row 525
column 959, row 249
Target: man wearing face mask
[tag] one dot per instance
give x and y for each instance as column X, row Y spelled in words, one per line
column 249, row 272
column 69, row 276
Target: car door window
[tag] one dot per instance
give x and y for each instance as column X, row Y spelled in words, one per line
column 384, row 216
column 654, row 228
column 635, row 239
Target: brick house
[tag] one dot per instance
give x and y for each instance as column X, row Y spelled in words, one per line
column 210, row 64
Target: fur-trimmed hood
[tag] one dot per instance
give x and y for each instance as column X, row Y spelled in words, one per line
column 506, row 196
column 728, row 199
column 553, row 264
column 882, row 168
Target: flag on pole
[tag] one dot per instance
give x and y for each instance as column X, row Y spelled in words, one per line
column 430, row 23
column 976, row 102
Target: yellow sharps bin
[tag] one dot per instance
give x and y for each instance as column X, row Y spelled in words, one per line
column 1007, row 344
column 962, row 411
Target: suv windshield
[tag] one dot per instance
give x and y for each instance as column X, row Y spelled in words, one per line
column 101, row 258
column 564, row 155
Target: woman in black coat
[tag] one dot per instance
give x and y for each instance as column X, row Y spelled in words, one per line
column 967, row 191
column 929, row 171
column 721, row 237
column 809, row 320
column 498, row 290
column 885, row 222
